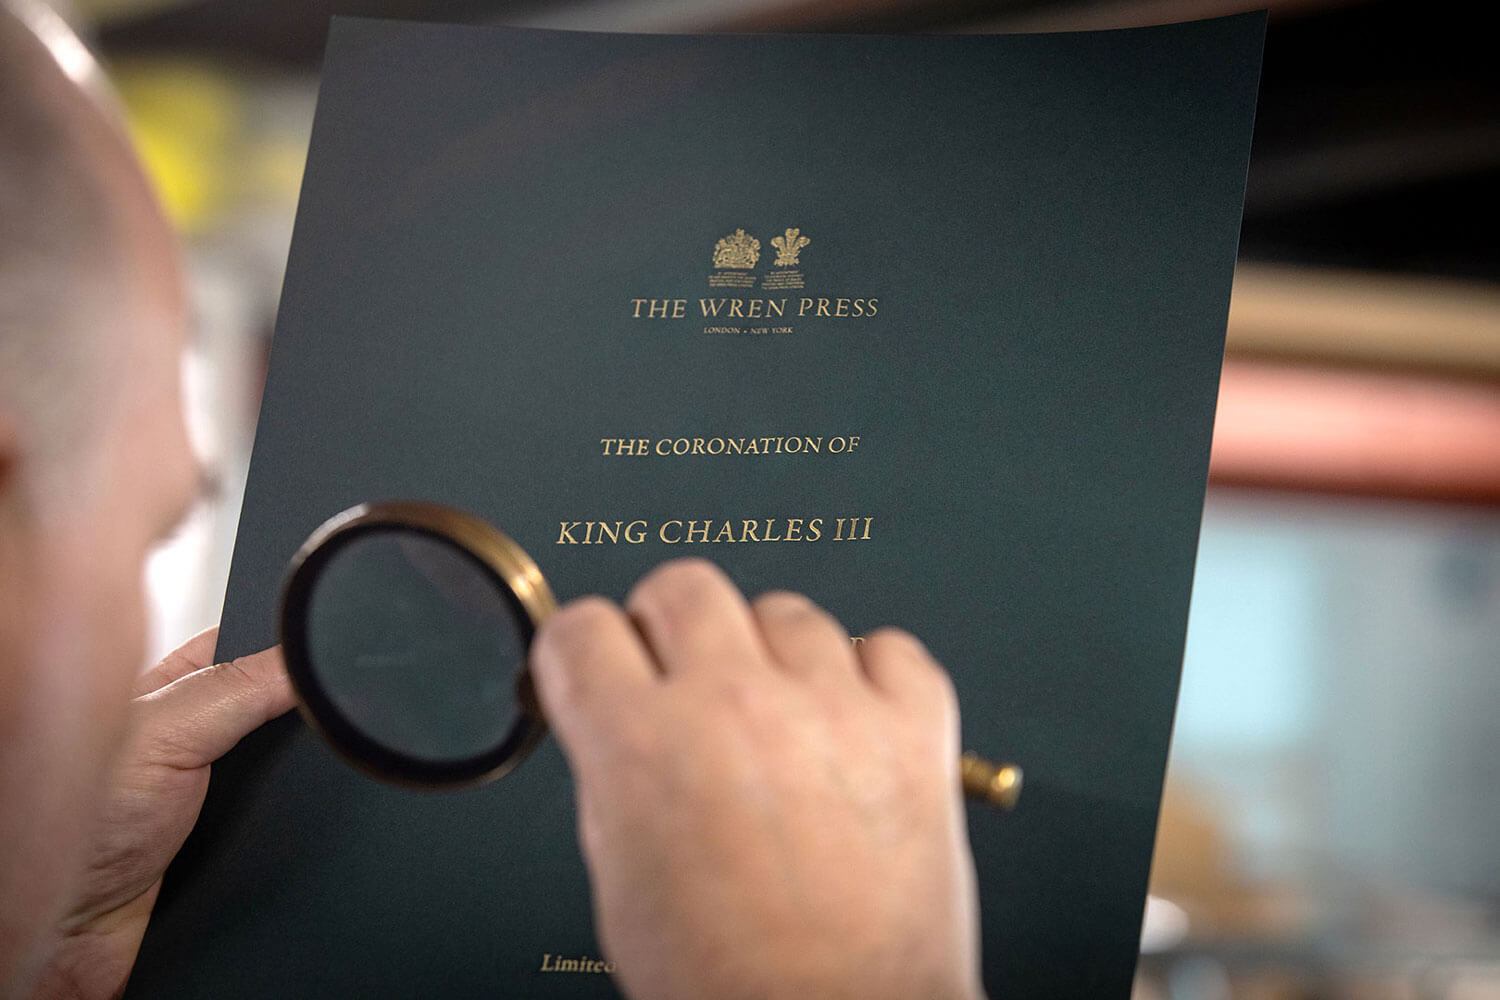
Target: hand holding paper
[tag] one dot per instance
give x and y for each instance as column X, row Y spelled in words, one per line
column 187, row 713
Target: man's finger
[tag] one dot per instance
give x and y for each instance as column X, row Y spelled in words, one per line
column 194, row 720
column 900, row 667
column 804, row 639
column 195, row 654
column 585, row 661
column 695, row 619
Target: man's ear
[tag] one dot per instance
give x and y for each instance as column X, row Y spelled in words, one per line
column 11, row 504
column 14, row 458
column 10, row 455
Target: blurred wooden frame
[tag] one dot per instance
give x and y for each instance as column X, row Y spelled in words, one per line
column 1357, row 383
column 1388, row 321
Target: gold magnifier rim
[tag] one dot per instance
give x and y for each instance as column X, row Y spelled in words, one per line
column 504, row 558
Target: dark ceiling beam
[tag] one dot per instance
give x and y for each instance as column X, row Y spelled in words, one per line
column 1317, row 172
column 1098, row 15
column 999, row 15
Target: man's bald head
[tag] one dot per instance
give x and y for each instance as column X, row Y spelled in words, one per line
column 95, row 467
column 73, row 207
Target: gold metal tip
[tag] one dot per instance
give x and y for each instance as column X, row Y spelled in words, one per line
column 997, row 784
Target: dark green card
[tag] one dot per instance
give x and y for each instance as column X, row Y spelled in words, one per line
column 928, row 328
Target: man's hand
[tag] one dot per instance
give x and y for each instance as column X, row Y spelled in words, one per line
column 766, row 811
column 187, row 713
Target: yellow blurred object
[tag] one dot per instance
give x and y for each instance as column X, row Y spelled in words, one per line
column 186, row 120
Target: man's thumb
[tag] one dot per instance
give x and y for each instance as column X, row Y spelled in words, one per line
column 194, row 720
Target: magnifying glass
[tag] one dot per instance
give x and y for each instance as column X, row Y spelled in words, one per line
column 406, row 628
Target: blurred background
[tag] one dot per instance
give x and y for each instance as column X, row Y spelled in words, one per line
column 1331, row 826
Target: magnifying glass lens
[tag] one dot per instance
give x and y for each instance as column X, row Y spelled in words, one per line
column 416, row 646
column 406, row 629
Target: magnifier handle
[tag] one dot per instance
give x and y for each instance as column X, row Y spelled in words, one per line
column 986, row 781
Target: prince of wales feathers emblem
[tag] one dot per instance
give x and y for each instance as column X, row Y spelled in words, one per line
column 788, row 248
